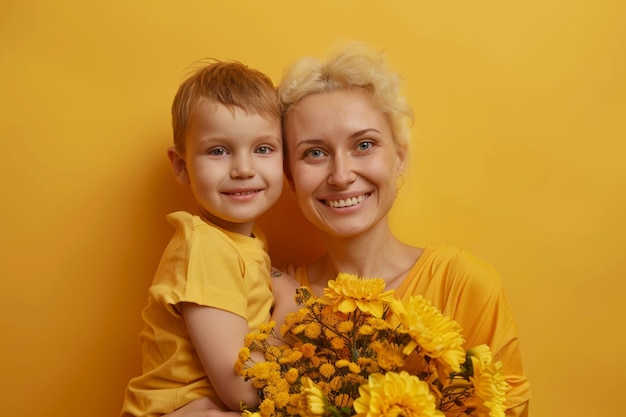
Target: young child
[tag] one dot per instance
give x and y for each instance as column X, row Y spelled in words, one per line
column 213, row 283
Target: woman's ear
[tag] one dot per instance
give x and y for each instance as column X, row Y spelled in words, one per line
column 402, row 157
column 179, row 166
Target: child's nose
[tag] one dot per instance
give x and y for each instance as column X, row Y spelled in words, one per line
column 243, row 167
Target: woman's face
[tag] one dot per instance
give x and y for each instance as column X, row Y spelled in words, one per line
column 343, row 161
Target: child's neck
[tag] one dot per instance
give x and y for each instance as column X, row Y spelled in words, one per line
column 244, row 228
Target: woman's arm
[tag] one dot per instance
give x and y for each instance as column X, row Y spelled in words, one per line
column 217, row 336
column 284, row 290
column 201, row 407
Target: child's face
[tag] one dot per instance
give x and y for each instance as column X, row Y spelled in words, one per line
column 234, row 165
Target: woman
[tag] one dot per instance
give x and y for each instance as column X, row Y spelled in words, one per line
column 346, row 139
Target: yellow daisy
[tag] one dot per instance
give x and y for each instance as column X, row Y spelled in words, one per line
column 312, row 402
column 389, row 356
column 395, row 394
column 490, row 388
column 439, row 336
column 349, row 292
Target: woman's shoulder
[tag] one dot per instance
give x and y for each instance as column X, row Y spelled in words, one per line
column 459, row 265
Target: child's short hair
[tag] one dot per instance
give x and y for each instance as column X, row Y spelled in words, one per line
column 229, row 83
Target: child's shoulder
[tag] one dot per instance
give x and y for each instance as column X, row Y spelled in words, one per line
column 187, row 223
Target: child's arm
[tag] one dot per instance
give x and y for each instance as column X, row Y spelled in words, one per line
column 217, row 336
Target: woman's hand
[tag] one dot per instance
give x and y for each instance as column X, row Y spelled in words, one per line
column 201, row 407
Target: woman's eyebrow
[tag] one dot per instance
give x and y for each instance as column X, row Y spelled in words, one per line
column 309, row 142
column 363, row 132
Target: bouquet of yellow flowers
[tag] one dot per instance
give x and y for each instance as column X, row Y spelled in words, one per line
column 359, row 351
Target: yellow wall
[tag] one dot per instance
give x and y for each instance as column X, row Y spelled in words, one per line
column 519, row 158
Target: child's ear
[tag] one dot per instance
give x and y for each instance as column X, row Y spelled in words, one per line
column 179, row 166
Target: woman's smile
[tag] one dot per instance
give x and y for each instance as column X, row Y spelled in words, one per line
column 347, row 202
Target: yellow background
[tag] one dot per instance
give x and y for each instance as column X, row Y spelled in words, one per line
column 519, row 157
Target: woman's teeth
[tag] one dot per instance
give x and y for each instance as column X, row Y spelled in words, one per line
column 347, row 202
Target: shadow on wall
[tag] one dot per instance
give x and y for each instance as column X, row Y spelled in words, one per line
column 292, row 239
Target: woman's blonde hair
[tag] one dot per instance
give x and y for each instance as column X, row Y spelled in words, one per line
column 350, row 65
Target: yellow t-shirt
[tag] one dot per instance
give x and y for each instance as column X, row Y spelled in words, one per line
column 469, row 290
column 205, row 265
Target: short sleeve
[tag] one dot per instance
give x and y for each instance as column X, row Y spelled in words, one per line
column 200, row 265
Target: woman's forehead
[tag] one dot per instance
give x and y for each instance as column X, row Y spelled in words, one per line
column 348, row 109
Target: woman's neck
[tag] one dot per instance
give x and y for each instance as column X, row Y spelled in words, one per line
column 378, row 254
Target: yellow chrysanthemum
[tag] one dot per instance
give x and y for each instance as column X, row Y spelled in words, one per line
column 315, row 361
column 239, row 368
column 298, row 329
column 281, row 399
column 261, row 337
column 292, row 356
column 272, row 353
column 370, row 365
column 395, row 394
column 337, row 343
column 312, row 401
column 267, row 408
column 388, row 356
column 292, row 319
column 342, row 363
column 249, row 339
column 270, row 391
column 303, row 294
column 263, row 370
column 490, row 388
column 345, row 327
column 291, row 375
column 323, row 386
column 354, row 379
column 307, row 349
column 313, row 330
column 327, row 370
column 354, row 368
column 439, row 336
column 244, row 354
column 343, row 400
column 335, row 383
column 366, row 330
column 349, row 292
column 482, row 353
column 379, row 324
column 267, row 327
column 248, row 413
column 281, row 384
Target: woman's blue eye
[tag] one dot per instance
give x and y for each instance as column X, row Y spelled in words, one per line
column 363, row 146
column 315, row 153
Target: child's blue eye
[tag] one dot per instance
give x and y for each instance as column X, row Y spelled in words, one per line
column 263, row 149
column 217, row 151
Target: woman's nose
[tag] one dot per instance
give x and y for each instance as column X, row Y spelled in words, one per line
column 342, row 172
column 243, row 167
